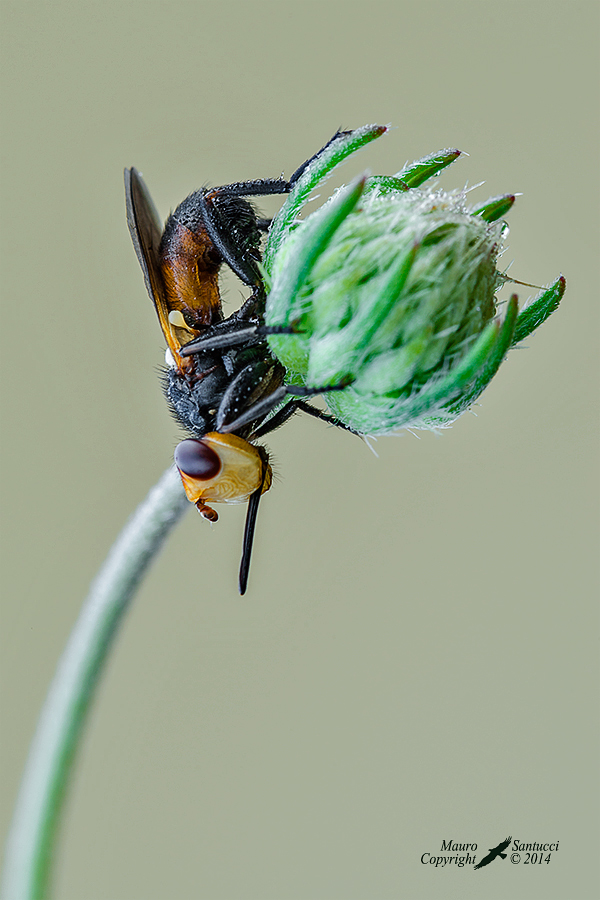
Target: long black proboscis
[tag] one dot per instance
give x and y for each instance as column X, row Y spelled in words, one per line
column 249, row 537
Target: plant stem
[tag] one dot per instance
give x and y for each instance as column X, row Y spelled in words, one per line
column 32, row 837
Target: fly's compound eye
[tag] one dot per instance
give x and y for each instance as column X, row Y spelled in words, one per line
column 220, row 468
column 197, row 460
column 198, row 464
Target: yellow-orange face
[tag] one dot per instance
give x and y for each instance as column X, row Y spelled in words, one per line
column 221, row 468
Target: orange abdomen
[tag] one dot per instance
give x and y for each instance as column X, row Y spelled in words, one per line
column 190, row 267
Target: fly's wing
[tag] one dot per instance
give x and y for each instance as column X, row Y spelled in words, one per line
column 146, row 231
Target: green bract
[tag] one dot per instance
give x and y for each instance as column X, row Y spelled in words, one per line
column 390, row 291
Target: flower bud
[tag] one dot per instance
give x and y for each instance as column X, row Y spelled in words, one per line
column 388, row 295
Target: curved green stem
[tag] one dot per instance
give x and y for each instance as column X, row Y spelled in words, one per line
column 32, row 838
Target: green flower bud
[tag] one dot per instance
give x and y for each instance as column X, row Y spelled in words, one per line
column 388, row 292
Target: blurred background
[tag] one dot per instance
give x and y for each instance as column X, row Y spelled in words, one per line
column 414, row 660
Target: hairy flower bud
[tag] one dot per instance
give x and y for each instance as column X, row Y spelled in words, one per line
column 388, row 294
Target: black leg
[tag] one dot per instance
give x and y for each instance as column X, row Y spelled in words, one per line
column 244, row 267
column 260, row 187
column 324, row 417
column 264, row 186
column 253, row 386
column 257, row 411
column 236, row 332
column 211, row 220
column 294, row 406
column 233, row 331
column 297, row 390
column 264, row 406
column 280, row 418
column 307, row 163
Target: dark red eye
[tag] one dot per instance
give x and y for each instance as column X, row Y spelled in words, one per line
column 197, row 460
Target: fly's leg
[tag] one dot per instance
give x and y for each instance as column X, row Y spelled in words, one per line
column 270, row 401
column 244, row 267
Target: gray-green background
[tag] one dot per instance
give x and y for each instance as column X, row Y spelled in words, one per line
column 415, row 658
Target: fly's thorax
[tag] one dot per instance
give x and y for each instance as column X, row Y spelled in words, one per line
column 194, row 395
